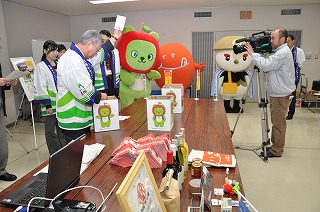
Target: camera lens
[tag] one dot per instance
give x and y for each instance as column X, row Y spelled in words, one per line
column 238, row 48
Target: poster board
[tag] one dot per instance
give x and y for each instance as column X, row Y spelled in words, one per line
column 37, row 48
column 25, row 64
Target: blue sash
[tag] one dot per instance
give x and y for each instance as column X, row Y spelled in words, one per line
column 90, row 69
column 112, row 67
column 296, row 65
column 53, row 71
column 116, row 82
column 89, row 66
column 103, row 67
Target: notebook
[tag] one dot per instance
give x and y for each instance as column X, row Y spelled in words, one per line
column 63, row 173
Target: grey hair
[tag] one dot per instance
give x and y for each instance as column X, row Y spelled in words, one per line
column 91, row 35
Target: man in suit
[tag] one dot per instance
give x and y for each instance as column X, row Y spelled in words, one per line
column 298, row 60
column 4, row 85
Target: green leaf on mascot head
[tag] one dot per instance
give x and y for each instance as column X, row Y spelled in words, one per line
column 146, row 29
column 155, row 35
column 127, row 29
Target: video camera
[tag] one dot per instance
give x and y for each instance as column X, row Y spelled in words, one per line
column 259, row 41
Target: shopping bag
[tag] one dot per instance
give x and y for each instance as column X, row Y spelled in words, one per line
column 170, row 193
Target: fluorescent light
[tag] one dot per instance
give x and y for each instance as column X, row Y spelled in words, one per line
column 108, row 1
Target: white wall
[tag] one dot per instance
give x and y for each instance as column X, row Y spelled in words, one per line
column 178, row 25
column 22, row 25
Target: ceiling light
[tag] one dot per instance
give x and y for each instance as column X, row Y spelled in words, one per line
column 108, row 1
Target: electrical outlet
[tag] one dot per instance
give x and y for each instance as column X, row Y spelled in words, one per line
column 308, row 55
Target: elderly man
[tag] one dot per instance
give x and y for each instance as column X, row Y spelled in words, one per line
column 75, row 76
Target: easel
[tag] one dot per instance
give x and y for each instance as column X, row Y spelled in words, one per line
column 17, row 140
column 32, row 117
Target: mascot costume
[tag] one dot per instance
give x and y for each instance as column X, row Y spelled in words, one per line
column 176, row 58
column 232, row 79
column 138, row 54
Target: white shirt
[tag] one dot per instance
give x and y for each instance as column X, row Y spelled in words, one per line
column 279, row 69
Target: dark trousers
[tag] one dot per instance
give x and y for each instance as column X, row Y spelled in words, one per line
column 111, row 91
column 292, row 107
column 54, row 137
column 73, row 134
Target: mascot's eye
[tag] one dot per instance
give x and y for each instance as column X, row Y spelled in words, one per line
column 164, row 56
column 150, row 57
column 173, row 55
column 245, row 57
column 227, row 56
column 134, row 54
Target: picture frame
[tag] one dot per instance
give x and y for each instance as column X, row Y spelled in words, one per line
column 139, row 191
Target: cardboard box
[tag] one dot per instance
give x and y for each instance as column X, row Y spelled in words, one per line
column 106, row 115
column 177, row 91
column 310, row 96
column 160, row 113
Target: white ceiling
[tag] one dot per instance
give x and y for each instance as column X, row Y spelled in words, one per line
column 83, row 7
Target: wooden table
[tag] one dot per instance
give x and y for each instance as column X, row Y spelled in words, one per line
column 206, row 127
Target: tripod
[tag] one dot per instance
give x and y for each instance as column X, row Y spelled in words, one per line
column 262, row 104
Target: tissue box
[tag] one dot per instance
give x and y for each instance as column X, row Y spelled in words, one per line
column 106, row 115
column 177, row 91
column 160, row 113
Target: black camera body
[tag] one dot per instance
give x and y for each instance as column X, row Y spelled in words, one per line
column 259, row 41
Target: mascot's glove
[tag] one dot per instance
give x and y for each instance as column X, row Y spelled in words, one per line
column 199, row 66
column 153, row 74
column 127, row 77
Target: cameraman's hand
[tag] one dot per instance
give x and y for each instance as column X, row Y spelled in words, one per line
column 249, row 49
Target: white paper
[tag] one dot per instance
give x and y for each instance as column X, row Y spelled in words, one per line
column 90, row 152
column 120, row 21
column 195, row 154
column 16, row 74
column 122, row 118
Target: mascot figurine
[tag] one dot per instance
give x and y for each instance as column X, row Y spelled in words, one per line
column 176, row 58
column 138, row 54
column 232, row 79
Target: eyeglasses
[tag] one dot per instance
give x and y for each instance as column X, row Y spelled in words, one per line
column 97, row 47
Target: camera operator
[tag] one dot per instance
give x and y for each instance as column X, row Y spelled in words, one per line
column 280, row 83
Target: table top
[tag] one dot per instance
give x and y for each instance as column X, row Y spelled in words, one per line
column 206, row 128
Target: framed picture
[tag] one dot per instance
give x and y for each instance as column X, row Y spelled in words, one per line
column 139, row 191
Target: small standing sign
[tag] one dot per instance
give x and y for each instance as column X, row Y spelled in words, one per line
column 106, row 115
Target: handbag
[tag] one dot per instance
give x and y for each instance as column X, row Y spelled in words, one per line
column 170, row 193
